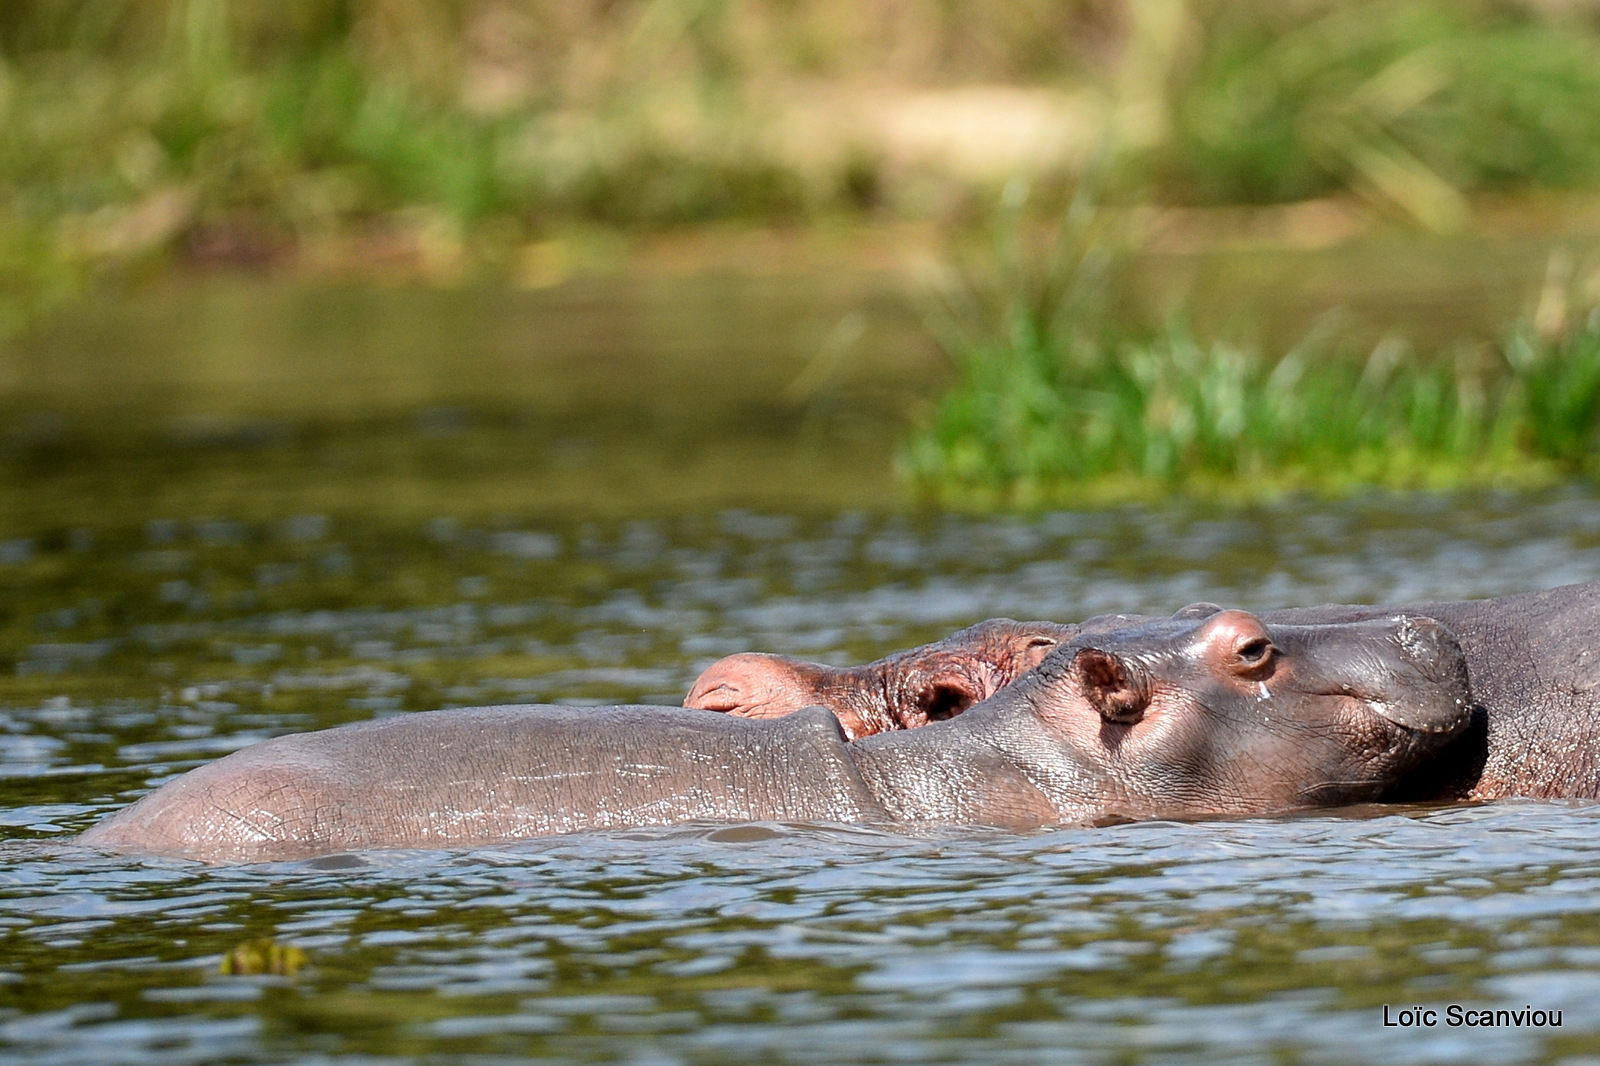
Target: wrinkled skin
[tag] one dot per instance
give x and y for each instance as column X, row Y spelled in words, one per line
column 1534, row 665
column 1186, row 717
column 1533, row 662
column 927, row 684
column 1177, row 718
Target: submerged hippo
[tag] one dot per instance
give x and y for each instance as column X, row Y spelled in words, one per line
column 906, row 690
column 1223, row 714
column 1533, row 660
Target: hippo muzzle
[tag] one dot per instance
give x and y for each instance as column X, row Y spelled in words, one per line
column 1408, row 669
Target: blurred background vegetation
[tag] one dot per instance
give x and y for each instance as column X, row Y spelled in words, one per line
column 1039, row 147
column 459, row 138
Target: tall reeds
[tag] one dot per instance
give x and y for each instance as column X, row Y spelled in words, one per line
column 464, row 134
column 1414, row 104
column 1059, row 400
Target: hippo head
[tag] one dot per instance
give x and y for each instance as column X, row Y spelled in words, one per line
column 912, row 688
column 1215, row 711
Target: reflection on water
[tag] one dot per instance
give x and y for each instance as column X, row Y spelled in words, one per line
column 175, row 587
column 659, row 397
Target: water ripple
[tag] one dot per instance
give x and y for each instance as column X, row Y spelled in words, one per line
column 1260, row 940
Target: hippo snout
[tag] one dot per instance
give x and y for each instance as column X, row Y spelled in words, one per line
column 1429, row 647
column 1426, row 688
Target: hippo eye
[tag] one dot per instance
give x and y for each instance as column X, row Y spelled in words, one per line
column 1255, row 652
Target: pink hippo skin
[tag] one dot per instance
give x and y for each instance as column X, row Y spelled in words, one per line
column 909, row 689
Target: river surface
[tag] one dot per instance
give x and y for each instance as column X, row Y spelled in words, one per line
column 212, row 564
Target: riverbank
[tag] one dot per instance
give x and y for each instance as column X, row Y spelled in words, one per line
column 509, row 141
column 1064, row 396
column 764, row 370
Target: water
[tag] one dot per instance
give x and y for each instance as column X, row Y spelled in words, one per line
column 173, row 601
column 1226, row 941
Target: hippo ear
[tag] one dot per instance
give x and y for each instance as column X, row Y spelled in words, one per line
column 1033, row 653
column 946, row 696
column 1114, row 687
column 1198, row 610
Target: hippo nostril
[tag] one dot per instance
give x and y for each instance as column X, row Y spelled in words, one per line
column 1432, row 696
column 722, row 698
column 1427, row 645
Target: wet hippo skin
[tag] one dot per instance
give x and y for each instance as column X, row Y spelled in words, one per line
column 909, row 689
column 1177, row 717
column 1531, row 659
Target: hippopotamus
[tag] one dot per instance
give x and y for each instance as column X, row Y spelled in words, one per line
column 906, row 690
column 1533, row 661
column 1176, row 717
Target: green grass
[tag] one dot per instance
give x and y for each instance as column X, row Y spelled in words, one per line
column 461, row 133
column 1059, row 401
column 1414, row 104
column 509, row 116
column 134, row 133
